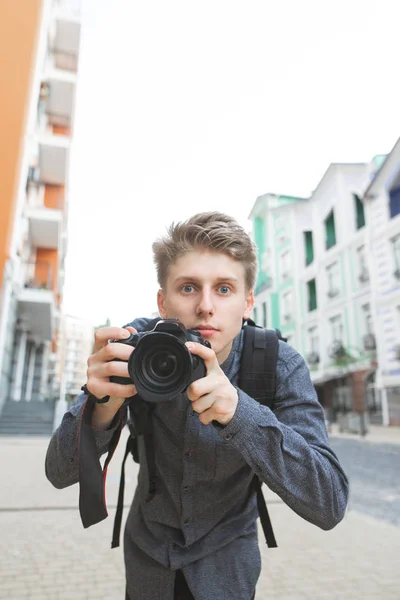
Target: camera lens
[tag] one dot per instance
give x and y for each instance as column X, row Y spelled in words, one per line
column 160, row 366
column 163, row 365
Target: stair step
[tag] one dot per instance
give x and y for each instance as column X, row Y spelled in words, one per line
column 27, row 418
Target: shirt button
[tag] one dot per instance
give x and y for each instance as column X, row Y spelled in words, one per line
column 228, row 436
column 187, row 454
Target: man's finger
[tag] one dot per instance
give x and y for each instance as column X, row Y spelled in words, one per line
column 207, row 354
column 111, row 351
column 104, row 334
column 203, row 403
column 200, row 387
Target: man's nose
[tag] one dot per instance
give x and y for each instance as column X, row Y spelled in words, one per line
column 205, row 305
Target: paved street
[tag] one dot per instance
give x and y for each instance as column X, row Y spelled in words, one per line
column 374, row 473
column 46, row 554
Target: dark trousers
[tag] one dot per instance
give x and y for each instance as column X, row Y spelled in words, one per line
column 181, row 589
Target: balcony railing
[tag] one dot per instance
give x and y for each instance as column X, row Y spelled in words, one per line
column 36, row 191
column 72, row 6
column 369, row 341
column 38, row 275
column 66, row 61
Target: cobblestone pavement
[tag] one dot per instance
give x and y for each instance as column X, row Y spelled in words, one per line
column 46, row 554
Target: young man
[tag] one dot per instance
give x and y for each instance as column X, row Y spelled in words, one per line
column 197, row 536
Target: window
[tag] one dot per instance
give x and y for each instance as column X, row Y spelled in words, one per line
column 313, row 340
column 360, row 215
column 363, row 274
column 396, row 255
column 394, row 202
column 309, row 247
column 367, row 318
column 332, row 274
column 285, row 265
column 287, row 307
column 330, row 233
column 255, row 315
column 336, row 326
column 312, row 295
column 264, row 313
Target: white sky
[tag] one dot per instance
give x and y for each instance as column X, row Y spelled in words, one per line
column 184, row 107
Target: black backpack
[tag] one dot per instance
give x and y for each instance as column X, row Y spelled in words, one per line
column 257, row 378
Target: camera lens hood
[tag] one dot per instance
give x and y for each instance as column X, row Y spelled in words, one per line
column 161, row 366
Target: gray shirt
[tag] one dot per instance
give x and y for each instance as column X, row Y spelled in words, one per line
column 203, row 517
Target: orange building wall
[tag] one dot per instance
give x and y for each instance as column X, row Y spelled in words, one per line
column 54, row 196
column 61, row 130
column 47, row 263
column 19, row 30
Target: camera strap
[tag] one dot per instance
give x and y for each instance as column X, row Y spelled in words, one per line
column 92, row 478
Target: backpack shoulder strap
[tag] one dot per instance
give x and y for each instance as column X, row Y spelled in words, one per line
column 257, row 375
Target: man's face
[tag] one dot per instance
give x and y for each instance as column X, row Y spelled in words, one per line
column 207, row 291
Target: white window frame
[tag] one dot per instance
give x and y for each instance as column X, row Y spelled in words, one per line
column 368, row 322
column 333, row 279
column 287, row 305
column 395, row 249
column 264, row 315
column 313, row 339
column 336, row 326
column 284, row 269
column 362, row 265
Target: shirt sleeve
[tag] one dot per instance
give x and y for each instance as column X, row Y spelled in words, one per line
column 62, row 463
column 288, row 448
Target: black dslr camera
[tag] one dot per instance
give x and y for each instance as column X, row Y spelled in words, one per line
column 162, row 367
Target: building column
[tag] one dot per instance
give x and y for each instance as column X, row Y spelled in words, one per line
column 5, row 306
column 31, row 372
column 19, row 371
column 45, row 372
column 385, row 407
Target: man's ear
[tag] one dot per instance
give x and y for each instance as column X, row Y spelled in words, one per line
column 249, row 305
column 161, row 304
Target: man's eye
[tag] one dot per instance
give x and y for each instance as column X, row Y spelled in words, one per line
column 224, row 289
column 187, row 289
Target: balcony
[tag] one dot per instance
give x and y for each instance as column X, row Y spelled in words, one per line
column 313, row 358
column 57, row 95
column 53, row 158
column 36, row 301
column 44, row 223
column 66, row 36
column 369, row 341
column 333, row 293
column 363, row 276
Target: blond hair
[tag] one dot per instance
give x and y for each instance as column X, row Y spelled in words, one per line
column 211, row 231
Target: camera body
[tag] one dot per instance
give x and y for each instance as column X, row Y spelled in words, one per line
column 161, row 366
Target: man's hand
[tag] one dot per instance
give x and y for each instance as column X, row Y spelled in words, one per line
column 213, row 396
column 101, row 367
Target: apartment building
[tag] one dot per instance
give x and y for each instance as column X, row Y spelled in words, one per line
column 315, row 263
column 274, row 233
column 382, row 207
column 39, row 46
column 76, row 345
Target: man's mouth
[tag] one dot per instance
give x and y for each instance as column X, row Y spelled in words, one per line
column 205, row 330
